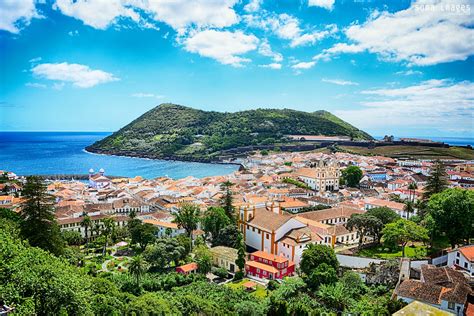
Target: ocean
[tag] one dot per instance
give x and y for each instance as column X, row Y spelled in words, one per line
column 30, row 153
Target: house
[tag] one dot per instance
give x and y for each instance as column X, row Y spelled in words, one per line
column 187, row 268
column 441, row 287
column 268, row 266
column 224, row 257
column 323, row 177
column 98, row 180
column 165, row 228
column 462, row 259
column 399, row 208
column 274, row 231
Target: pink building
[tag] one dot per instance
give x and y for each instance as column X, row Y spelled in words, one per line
column 267, row 266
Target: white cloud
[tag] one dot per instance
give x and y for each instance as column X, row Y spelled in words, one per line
column 326, row 4
column 34, row 60
column 223, row 46
column 430, row 104
column 147, row 95
column 304, row 65
column 79, row 75
column 96, row 13
column 14, row 14
column 340, row 82
column 427, row 33
column 288, row 27
column 180, row 14
column 73, row 33
column 271, row 66
column 409, row 72
column 265, row 50
column 35, row 85
column 253, row 5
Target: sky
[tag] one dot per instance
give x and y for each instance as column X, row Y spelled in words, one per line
column 388, row 67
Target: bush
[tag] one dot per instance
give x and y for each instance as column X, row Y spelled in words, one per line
column 220, row 272
column 239, row 275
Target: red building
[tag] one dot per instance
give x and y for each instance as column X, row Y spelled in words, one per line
column 268, row 266
column 187, row 268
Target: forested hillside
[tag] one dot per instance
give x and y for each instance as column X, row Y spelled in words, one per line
column 178, row 131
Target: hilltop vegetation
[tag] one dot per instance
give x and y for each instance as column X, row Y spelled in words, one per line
column 174, row 131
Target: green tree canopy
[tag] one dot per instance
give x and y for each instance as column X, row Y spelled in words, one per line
column 453, row 213
column 141, row 233
column 187, row 218
column 352, row 176
column 403, row 231
column 39, row 223
column 314, row 255
column 366, row 225
column 214, row 219
column 437, row 181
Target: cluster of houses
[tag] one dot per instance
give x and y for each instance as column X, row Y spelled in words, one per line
column 283, row 201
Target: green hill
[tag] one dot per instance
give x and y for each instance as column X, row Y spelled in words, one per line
column 175, row 131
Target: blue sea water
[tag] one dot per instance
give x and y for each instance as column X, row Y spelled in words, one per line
column 28, row 153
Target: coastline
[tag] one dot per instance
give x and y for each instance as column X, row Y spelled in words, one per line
column 147, row 157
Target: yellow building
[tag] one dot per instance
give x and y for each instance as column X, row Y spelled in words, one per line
column 224, row 257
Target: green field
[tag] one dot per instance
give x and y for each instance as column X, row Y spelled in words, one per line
column 419, row 251
column 417, row 152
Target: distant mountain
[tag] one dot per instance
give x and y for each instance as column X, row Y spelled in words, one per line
column 179, row 132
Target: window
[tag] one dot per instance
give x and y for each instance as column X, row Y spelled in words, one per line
column 451, row 305
column 267, row 236
column 258, row 270
column 465, row 265
column 457, row 261
column 457, row 254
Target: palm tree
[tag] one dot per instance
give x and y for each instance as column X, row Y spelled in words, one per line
column 108, row 229
column 137, row 268
column 412, row 187
column 86, row 223
column 409, row 208
column 334, row 296
column 188, row 218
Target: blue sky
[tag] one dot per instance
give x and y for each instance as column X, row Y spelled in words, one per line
column 393, row 67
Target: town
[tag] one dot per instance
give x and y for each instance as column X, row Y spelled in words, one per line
column 405, row 224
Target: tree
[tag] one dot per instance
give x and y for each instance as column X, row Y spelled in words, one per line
column 107, row 230
column 39, row 224
column 72, row 237
column 227, row 200
column 164, row 252
column 86, row 222
column 323, row 274
column 314, row 255
column 240, row 261
column 141, row 234
column 203, row 258
column 365, row 225
column 228, row 236
column 352, row 176
column 152, row 304
column 214, row 219
column 353, row 283
column 437, row 181
column 188, row 218
column 384, row 214
column 453, row 213
column 37, row 282
column 334, row 296
column 403, row 231
column 412, row 188
column 137, row 268
column 409, row 208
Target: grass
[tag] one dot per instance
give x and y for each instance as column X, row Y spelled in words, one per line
column 260, row 292
column 379, row 251
column 417, row 152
